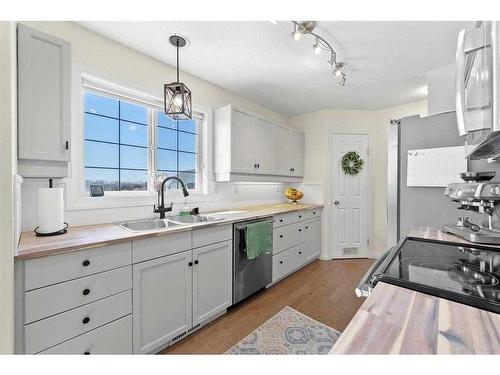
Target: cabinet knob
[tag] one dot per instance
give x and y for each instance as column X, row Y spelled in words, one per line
column 281, row 262
column 281, row 220
column 255, row 165
column 314, row 212
column 300, row 252
column 86, row 320
column 307, row 227
column 300, row 230
column 300, row 216
column 190, row 264
column 291, row 169
column 86, row 292
column 86, row 263
column 87, row 353
column 196, row 262
column 281, row 236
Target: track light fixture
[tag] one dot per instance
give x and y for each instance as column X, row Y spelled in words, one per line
column 307, row 27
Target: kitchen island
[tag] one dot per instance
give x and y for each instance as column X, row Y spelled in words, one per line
column 396, row 320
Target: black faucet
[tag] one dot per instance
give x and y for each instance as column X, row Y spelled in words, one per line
column 161, row 209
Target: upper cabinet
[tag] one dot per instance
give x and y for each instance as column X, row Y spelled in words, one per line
column 248, row 147
column 44, row 105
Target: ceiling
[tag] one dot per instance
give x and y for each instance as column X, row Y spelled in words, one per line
column 386, row 61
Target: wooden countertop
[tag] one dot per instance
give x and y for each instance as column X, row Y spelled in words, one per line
column 395, row 320
column 432, row 233
column 89, row 236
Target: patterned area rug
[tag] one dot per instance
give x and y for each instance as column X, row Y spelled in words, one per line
column 288, row 332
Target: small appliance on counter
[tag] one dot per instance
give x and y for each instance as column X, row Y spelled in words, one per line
column 50, row 211
column 476, row 194
column 465, row 274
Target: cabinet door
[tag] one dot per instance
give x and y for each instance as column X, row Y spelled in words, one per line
column 44, row 88
column 281, row 149
column 312, row 243
column 297, row 151
column 264, row 134
column 242, row 143
column 212, row 280
column 161, row 300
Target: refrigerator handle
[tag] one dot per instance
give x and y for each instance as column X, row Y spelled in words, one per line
column 460, row 84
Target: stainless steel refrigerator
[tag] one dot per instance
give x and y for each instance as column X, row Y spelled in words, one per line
column 410, row 207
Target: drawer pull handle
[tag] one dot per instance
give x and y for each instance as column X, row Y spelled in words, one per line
column 87, row 353
column 86, row 263
column 86, row 320
column 281, row 236
column 281, row 262
column 86, row 292
column 196, row 262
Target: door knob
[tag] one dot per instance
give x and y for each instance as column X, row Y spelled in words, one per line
column 336, row 203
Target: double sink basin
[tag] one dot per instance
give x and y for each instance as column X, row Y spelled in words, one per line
column 168, row 222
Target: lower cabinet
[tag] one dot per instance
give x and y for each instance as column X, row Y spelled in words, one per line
column 312, row 239
column 174, row 293
column 212, row 281
column 162, row 300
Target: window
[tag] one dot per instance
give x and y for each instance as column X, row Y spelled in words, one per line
column 117, row 137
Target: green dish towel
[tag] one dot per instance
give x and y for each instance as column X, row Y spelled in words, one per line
column 259, row 239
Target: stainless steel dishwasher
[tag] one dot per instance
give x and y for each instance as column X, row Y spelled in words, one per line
column 249, row 276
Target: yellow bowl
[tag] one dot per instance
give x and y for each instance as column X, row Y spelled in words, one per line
column 295, row 196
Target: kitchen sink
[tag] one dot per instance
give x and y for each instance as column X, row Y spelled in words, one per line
column 147, row 224
column 191, row 219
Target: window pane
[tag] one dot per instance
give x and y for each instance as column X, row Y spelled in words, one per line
column 99, row 154
column 133, row 112
column 187, row 162
column 133, row 180
column 187, row 125
column 133, row 157
column 187, row 142
column 166, row 160
column 102, row 105
column 133, row 134
column 165, row 121
column 106, row 177
column 101, row 128
column 167, row 138
column 189, row 179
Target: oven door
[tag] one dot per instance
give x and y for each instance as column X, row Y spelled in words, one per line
column 367, row 283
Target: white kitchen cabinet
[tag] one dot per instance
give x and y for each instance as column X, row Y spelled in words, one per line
column 264, row 135
column 297, row 153
column 250, row 148
column 44, row 91
column 281, row 149
column 312, row 239
column 212, row 280
column 162, row 300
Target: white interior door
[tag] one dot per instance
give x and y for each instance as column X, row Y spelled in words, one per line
column 349, row 200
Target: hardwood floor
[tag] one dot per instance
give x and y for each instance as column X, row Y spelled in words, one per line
column 323, row 290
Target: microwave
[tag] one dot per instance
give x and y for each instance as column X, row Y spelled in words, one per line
column 477, row 90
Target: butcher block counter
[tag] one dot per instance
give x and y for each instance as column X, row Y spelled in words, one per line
column 99, row 235
column 395, row 320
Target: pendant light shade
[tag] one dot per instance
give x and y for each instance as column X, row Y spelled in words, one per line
column 177, row 96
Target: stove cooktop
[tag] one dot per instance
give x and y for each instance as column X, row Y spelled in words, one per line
column 466, row 274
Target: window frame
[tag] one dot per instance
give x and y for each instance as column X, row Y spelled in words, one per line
column 77, row 197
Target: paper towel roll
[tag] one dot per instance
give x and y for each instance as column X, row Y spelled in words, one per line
column 50, row 210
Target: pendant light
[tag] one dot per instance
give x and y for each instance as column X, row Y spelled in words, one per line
column 177, row 95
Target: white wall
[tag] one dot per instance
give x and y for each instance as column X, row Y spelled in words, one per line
column 318, row 125
column 7, row 170
column 117, row 63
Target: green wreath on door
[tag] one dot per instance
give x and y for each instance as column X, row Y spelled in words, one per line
column 352, row 163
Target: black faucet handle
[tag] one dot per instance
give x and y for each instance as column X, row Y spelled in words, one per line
column 169, row 208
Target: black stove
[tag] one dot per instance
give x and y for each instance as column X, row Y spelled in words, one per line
column 462, row 273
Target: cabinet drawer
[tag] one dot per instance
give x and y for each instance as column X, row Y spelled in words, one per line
column 58, row 268
column 157, row 247
column 287, row 236
column 74, row 293
column 112, row 338
column 287, row 261
column 56, row 329
column 208, row 236
column 285, row 219
column 310, row 214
